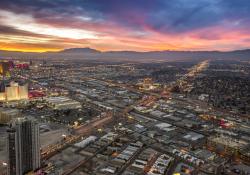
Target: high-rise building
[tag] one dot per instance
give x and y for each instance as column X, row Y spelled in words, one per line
column 12, row 152
column 23, row 92
column 23, row 146
column 14, row 92
column 2, row 86
column 4, row 68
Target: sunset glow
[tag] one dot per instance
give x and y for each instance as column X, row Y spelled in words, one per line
column 117, row 25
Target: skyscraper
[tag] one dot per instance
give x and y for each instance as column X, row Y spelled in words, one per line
column 23, row 147
column 23, row 91
column 4, row 68
column 13, row 91
column 12, row 151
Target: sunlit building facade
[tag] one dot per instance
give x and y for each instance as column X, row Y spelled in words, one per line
column 14, row 92
column 4, row 68
column 2, row 96
column 23, row 92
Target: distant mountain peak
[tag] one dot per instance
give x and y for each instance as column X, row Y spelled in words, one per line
column 168, row 55
column 80, row 50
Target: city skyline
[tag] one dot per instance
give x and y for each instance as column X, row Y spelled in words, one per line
column 41, row 26
column 125, row 87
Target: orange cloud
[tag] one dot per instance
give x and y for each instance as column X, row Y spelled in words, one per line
column 24, row 33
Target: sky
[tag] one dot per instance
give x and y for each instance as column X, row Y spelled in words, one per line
column 112, row 25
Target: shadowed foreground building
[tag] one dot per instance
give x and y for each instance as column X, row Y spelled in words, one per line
column 23, row 147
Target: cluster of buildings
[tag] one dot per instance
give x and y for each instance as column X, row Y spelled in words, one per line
column 148, row 134
column 14, row 92
column 225, row 86
column 148, row 84
column 160, row 165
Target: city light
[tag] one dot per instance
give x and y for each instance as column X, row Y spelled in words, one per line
column 125, row 87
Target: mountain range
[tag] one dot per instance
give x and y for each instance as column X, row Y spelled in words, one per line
column 92, row 54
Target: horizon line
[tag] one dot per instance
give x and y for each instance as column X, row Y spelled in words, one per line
column 169, row 50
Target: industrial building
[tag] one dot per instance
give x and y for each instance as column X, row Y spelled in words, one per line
column 62, row 103
column 226, row 144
